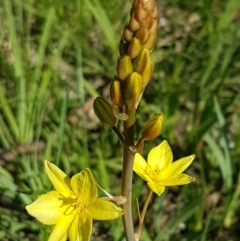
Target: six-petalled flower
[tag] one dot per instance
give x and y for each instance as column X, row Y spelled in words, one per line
column 72, row 206
column 159, row 171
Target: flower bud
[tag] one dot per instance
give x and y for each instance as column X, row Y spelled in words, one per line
column 143, row 22
column 134, row 48
column 151, row 41
column 133, row 24
column 153, row 127
column 127, row 34
column 147, row 74
column 124, row 67
column 123, row 47
column 143, row 65
column 133, row 90
column 143, row 9
column 141, row 61
column 117, row 93
column 142, row 33
column 103, row 111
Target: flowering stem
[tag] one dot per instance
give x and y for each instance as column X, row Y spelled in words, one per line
column 127, row 173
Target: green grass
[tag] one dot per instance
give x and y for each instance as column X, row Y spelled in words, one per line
column 56, row 56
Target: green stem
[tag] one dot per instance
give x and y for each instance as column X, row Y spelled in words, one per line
column 119, row 134
column 144, row 210
column 127, row 174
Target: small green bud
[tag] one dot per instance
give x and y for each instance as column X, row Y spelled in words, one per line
column 153, row 127
column 124, row 67
column 103, row 111
column 117, row 93
column 133, row 90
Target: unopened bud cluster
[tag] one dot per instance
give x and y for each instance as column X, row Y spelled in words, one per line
column 134, row 67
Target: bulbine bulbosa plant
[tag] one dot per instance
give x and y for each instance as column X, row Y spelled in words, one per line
column 74, row 203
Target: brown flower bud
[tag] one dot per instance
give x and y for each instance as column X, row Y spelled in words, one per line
column 127, row 34
column 142, row 33
column 134, row 25
column 151, row 41
column 143, row 23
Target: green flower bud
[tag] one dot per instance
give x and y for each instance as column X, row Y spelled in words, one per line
column 117, row 93
column 153, row 127
column 133, row 90
column 124, row 67
column 103, row 111
column 143, row 65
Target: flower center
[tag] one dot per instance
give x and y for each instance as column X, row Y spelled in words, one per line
column 155, row 174
column 81, row 204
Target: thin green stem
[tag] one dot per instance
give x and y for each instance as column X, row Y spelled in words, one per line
column 144, row 210
column 119, row 134
column 127, row 174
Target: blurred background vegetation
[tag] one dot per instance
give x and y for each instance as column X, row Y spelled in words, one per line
column 56, row 56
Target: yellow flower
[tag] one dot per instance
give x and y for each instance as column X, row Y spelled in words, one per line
column 160, row 171
column 72, row 206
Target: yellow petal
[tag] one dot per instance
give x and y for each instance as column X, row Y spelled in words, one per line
column 84, row 186
column 180, row 179
column 61, row 230
column 58, row 178
column 81, row 227
column 158, row 189
column 180, row 165
column 140, row 166
column 47, row 208
column 160, row 157
column 104, row 210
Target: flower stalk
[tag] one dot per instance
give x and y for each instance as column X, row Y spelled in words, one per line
column 127, row 175
column 139, row 230
column 134, row 70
